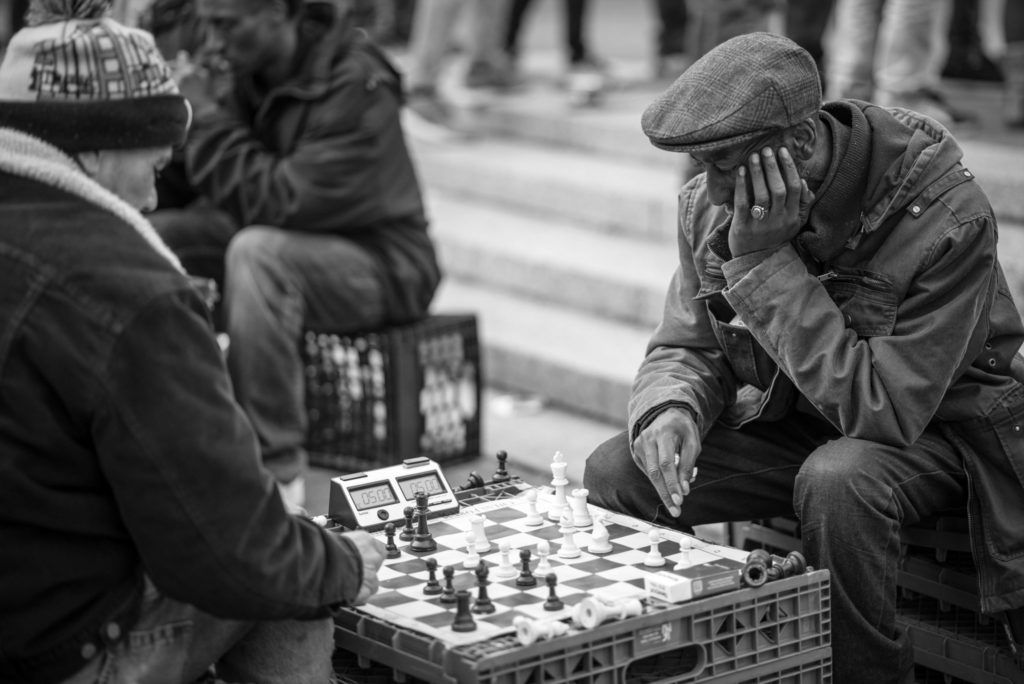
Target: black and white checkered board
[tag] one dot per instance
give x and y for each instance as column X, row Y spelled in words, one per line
column 614, row 575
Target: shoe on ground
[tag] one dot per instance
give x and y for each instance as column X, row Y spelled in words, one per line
column 482, row 74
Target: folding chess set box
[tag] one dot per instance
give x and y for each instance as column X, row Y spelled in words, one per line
column 514, row 584
column 376, row 398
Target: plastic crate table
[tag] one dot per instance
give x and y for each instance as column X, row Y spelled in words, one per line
column 376, row 398
column 778, row 632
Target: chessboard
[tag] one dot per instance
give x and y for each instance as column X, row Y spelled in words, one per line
column 612, row 576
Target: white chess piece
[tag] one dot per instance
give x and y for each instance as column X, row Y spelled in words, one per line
column 599, row 537
column 685, row 544
column 505, row 567
column 533, row 517
column 472, row 557
column 543, row 551
column 568, row 548
column 477, row 522
column 591, row 611
column 529, row 630
column 654, row 558
column 559, row 482
column 580, row 512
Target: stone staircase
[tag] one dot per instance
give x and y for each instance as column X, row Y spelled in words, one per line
column 557, row 226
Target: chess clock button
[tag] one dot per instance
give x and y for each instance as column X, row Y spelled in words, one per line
column 382, row 514
column 89, row 651
column 113, row 631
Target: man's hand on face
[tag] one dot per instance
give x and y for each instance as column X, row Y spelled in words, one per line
column 772, row 182
column 372, row 552
column 667, row 452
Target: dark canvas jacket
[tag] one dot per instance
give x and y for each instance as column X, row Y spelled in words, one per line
column 909, row 322
column 324, row 152
column 122, row 451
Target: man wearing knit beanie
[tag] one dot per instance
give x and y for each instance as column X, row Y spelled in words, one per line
column 141, row 540
column 838, row 343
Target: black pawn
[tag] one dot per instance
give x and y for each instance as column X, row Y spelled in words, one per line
column 422, row 540
column 472, row 482
column 483, row 601
column 526, row 578
column 448, row 594
column 553, row 602
column 390, row 547
column 432, row 586
column 407, row 531
column 464, row 621
column 501, row 474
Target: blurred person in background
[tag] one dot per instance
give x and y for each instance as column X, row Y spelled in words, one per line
column 306, row 201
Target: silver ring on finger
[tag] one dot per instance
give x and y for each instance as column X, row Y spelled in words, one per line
column 757, row 212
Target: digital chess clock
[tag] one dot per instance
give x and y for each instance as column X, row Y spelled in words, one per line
column 371, row 499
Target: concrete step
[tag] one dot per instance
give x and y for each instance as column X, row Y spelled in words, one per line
column 540, row 115
column 572, row 359
column 606, row 275
column 607, row 194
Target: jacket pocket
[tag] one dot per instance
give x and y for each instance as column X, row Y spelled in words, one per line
column 748, row 359
column 868, row 300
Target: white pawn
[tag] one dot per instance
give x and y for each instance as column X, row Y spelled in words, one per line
column 568, row 548
column 533, row 516
column 505, row 568
column 654, row 558
column 685, row 543
column 599, row 538
column 591, row 611
column 543, row 551
column 580, row 513
column 477, row 523
column 472, row 557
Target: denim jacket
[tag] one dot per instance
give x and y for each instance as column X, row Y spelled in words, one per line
column 122, row 450
column 908, row 322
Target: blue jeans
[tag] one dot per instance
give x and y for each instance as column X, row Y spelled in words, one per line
column 176, row 643
column 851, row 497
column 883, row 50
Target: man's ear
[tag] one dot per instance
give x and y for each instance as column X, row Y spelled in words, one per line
column 804, row 137
column 90, row 163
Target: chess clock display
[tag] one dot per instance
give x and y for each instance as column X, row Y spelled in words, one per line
column 370, row 499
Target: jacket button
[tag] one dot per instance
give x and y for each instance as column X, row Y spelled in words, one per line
column 967, row 173
column 988, row 346
column 992, row 363
column 89, row 651
column 915, row 210
column 113, row 631
column 1016, row 428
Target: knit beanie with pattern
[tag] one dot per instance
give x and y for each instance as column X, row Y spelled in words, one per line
column 81, row 81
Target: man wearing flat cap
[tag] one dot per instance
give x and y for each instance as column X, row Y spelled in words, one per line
column 838, row 342
column 141, row 540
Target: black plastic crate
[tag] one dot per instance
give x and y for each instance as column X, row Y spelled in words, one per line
column 779, row 632
column 376, row 398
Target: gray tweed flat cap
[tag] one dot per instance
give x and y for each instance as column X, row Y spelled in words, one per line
column 741, row 89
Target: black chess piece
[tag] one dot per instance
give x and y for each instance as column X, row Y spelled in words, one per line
column 483, row 602
column 390, row 547
column 795, row 564
column 472, row 482
column 501, row 474
column 463, row 621
column 422, row 540
column 553, row 602
column 526, row 578
column 407, row 531
column 432, row 587
column 448, row 593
